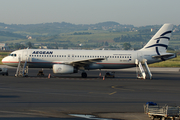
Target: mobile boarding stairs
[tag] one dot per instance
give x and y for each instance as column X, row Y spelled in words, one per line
column 141, row 73
column 22, row 69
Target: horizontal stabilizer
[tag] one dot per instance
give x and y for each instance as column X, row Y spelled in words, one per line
column 164, row 56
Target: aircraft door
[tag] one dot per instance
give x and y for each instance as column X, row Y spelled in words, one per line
column 24, row 55
column 140, row 56
column 72, row 57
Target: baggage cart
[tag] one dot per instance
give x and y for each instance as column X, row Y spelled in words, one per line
column 162, row 112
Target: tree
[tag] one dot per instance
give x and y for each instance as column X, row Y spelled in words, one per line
column 19, row 46
column 29, row 44
column 126, row 46
column 102, row 43
column 106, row 43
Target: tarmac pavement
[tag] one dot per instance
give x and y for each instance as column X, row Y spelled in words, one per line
column 121, row 97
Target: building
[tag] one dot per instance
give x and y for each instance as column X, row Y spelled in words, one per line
column 42, row 47
column 3, row 46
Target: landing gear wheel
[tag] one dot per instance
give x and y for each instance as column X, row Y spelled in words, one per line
column 84, row 75
column 163, row 118
column 173, row 118
column 152, row 117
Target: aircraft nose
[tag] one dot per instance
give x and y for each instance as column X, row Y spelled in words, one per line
column 4, row 60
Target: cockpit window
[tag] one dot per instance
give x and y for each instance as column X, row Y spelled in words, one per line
column 12, row 55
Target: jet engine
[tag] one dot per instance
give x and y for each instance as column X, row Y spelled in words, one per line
column 64, row 69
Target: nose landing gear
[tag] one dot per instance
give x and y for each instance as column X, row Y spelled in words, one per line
column 84, row 75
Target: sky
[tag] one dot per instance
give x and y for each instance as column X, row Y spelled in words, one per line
column 134, row 12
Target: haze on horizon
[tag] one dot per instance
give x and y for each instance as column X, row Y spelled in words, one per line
column 134, row 12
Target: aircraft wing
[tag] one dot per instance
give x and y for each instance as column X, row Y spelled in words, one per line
column 85, row 62
column 163, row 56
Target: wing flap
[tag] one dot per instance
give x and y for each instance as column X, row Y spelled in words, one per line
column 85, row 62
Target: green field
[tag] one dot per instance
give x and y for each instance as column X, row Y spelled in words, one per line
column 175, row 62
column 2, row 55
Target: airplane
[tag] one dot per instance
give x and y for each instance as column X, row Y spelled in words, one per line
column 72, row 61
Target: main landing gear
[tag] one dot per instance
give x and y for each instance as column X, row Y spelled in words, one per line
column 40, row 73
column 84, row 75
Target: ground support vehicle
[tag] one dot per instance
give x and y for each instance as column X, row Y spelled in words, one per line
column 40, row 73
column 110, row 74
column 161, row 112
column 4, row 71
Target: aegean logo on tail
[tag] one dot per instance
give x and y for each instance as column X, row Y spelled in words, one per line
column 158, row 39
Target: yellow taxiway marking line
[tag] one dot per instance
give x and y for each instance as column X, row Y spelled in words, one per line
column 113, row 87
column 112, row 93
column 103, row 93
column 116, row 87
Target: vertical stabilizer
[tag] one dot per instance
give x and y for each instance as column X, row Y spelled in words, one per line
column 159, row 42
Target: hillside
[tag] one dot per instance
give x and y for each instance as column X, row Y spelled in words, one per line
column 90, row 36
column 47, row 29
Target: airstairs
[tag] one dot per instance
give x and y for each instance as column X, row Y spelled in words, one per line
column 22, row 69
column 143, row 69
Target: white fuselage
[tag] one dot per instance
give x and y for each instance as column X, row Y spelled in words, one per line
column 45, row 58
